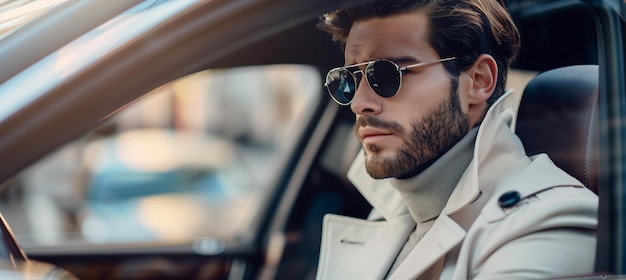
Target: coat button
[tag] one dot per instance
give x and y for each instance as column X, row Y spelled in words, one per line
column 509, row 199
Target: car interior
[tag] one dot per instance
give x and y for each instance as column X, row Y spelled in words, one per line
column 558, row 115
column 561, row 105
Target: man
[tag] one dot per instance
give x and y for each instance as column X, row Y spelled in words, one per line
column 454, row 195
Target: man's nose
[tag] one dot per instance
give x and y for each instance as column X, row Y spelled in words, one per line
column 365, row 100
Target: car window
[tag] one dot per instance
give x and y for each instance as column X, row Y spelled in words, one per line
column 195, row 157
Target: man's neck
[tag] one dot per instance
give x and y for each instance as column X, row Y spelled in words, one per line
column 427, row 193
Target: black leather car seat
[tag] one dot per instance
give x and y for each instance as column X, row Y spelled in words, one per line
column 558, row 115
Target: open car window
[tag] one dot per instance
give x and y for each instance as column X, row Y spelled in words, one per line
column 197, row 157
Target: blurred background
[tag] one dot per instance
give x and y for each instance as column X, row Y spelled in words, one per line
column 196, row 157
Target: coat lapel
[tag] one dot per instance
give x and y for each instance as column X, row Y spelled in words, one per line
column 436, row 243
column 360, row 249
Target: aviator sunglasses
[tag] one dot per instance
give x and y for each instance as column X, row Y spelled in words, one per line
column 383, row 76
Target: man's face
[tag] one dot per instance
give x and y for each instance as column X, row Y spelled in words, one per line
column 404, row 134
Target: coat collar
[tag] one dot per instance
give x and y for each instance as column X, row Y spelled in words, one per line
column 498, row 121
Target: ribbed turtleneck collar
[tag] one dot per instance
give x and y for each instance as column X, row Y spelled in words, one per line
column 427, row 193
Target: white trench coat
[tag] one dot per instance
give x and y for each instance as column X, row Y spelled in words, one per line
column 550, row 231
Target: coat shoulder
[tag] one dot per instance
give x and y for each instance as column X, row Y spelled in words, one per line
column 537, row 228
column 540, row 190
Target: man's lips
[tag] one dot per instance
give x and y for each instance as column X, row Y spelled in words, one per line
column 372, row 134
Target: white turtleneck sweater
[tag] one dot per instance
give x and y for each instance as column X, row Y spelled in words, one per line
column 427, row 193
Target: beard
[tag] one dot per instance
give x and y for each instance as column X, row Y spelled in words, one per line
column 428, row 140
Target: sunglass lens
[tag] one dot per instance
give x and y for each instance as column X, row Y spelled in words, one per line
column 384, row 78
column 340, row 85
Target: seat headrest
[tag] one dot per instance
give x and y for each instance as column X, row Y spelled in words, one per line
column 558, row 115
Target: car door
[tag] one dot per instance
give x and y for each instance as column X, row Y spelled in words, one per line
column 70, row 91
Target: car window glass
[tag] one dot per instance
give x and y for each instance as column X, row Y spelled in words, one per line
column 195, row 157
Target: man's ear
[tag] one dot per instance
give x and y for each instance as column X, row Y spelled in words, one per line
column 484, row 76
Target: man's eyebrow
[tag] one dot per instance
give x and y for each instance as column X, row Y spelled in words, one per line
column 404, row 60
column 397, row 60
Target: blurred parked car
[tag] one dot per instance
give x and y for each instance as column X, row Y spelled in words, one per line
column 192, row 139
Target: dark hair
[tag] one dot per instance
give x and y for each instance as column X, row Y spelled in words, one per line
column 461, row 28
